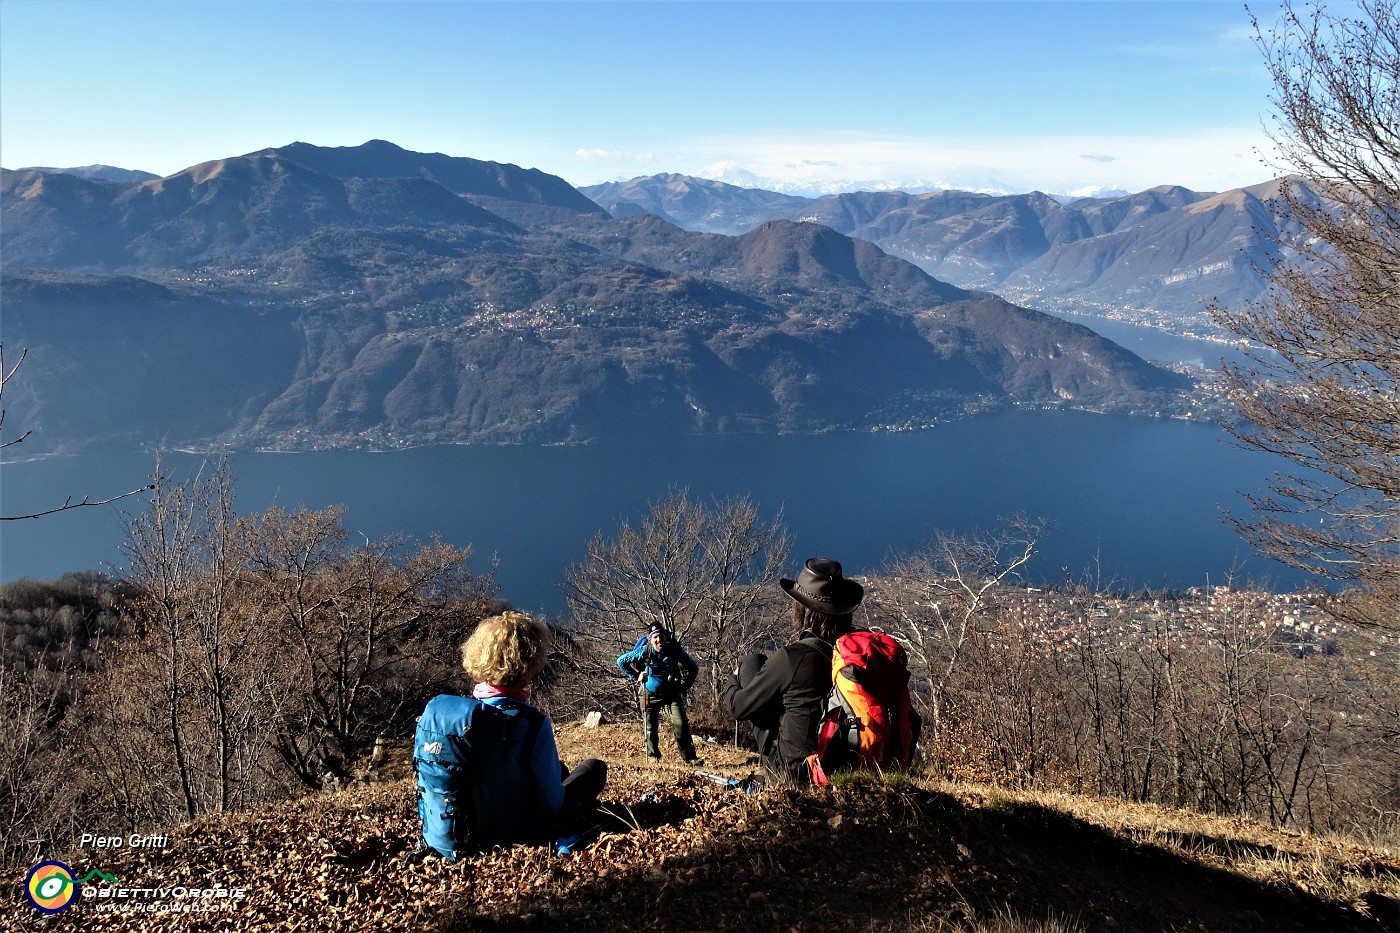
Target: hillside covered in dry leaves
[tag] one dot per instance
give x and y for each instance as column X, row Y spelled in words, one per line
column 681, row 852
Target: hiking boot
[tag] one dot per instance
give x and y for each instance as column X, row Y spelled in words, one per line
column 695, row 762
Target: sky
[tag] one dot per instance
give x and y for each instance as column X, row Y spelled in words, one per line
column 804, row 97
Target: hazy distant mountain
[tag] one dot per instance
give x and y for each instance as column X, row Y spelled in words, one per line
column 226, row 211
column 304, row 297
column 237, row 209
column 1172, row 253
column 1097, row 191
column 1168, row 249
column 123, row 176
column 380, row 159
column 695, row 203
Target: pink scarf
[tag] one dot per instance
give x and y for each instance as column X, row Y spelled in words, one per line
column 483, row 690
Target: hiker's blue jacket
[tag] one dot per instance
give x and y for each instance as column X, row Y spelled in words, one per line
column 670, row 671
column 543, row 764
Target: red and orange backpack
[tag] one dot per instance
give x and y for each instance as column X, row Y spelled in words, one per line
column 868, row 722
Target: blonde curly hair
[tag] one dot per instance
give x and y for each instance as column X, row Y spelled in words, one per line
column 507, row 650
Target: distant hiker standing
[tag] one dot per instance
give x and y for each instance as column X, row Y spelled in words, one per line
column 664, row 672
column 783, row 696
column 488, row 768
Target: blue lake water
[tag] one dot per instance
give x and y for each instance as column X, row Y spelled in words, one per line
column 1143, row 496
column 1159, row 346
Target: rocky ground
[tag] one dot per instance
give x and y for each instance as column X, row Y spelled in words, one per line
column 679, row 851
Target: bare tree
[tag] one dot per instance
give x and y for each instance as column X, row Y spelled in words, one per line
column 700, row 570
column 30, row 705
column 184, row 570
column 265, row 651
column 1323, row 385
column 939, row 597
column 5, row 376
column 361, row 633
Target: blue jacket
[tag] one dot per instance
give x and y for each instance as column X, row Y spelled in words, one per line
column 545, row 775
column 485, row 779
column 670, row 671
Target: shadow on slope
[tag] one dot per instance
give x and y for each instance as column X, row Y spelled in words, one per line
column 869, row 858
column 685, row 853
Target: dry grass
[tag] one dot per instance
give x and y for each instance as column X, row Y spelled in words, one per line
column 685, row 853
column 1002, row 921
column 1345, row 871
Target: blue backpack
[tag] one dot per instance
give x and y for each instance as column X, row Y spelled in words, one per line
column 473, row 762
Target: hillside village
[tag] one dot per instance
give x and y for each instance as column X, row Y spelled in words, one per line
column 241, row 728
column 1294, row 622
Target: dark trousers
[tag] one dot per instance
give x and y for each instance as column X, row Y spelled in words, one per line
column 583, row 784
column 652, row 709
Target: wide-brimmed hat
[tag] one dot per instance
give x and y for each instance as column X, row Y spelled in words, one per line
column 821, row 587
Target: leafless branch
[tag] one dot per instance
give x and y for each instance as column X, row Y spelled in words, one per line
column 1322, row 387
column 5, row 376
column 69, row 504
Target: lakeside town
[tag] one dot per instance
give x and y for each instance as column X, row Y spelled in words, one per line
column 1289, row 622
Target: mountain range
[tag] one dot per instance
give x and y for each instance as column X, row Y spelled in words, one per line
column 1162, row 253
column 302, row 297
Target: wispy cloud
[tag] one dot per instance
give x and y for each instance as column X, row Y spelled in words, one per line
column 612, row 155
column 1237, row 35
column 1208, row 161
column 1205, row 48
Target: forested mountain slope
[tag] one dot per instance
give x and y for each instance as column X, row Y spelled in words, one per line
column 303, row 297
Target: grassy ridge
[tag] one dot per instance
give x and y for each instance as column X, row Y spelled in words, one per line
column 682, row 852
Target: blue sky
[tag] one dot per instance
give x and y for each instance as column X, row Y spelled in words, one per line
column 1010, row 96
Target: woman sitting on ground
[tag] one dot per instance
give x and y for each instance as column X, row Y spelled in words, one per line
column 517, row 788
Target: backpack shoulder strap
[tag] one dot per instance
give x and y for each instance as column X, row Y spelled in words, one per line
column 814, row 643
column 534, row 720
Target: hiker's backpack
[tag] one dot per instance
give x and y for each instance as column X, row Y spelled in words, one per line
column 473, row 763
column 867, row 722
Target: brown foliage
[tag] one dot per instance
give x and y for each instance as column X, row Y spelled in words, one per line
column 265, row 653
column 685, row 853
column 1323, row 389
column 1202, row 703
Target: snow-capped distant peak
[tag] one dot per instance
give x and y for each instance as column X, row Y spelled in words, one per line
column 1099, row 191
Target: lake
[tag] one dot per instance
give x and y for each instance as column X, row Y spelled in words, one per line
column 1159, row 346
column 1144, row 497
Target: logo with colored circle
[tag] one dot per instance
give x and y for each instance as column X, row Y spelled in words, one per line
column 50, row 887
